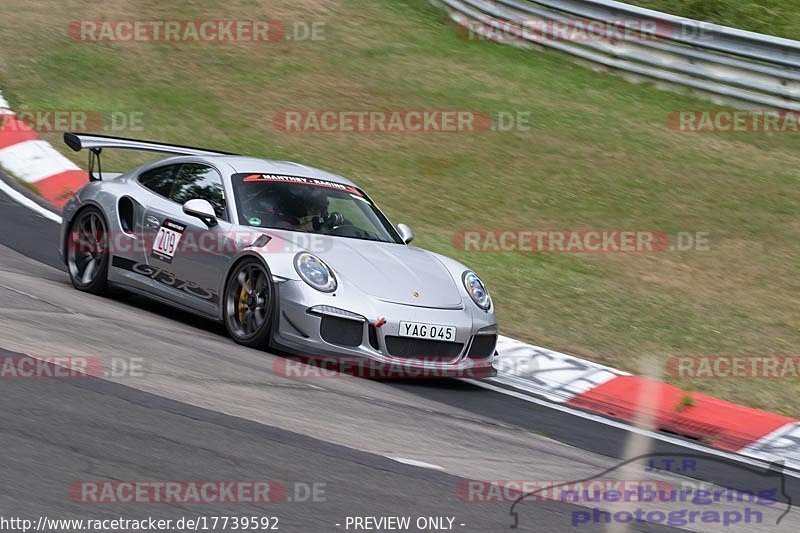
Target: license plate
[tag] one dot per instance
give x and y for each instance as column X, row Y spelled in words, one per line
column 419, row 330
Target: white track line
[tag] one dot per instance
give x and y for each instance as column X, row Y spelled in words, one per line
column 27, row 202
column 414, row 462
column 762, row 464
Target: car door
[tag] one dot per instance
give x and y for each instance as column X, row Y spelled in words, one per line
column 191, row 257
column 153, row 200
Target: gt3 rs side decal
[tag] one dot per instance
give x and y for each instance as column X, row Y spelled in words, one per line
column 167, row 278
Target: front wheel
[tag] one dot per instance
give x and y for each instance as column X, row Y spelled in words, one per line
column 249, row 303
column 87, row 252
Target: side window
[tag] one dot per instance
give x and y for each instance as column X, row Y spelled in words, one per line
column 203, row 182
column 159, row 180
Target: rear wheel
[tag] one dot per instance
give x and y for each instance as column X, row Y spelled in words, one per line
column 87, row 252
column 249, row 303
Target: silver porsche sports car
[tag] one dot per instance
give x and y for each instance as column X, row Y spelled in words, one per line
column 286, row 256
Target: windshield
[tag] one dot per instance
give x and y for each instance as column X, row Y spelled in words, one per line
column 309, row 205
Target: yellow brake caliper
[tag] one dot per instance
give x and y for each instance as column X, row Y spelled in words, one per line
column 243, row 301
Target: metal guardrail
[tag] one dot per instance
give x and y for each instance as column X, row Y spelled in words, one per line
column 736, row 64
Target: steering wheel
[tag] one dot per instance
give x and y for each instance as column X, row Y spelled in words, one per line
column 336, row 219
column 340, row 226
column 349, row 230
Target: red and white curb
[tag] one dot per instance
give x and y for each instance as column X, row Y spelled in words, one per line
column 54, row 177
column 524, row 370
column 548, row 374
column 591, row 387
column 781, row 444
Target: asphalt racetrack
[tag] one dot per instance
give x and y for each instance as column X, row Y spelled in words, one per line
column 180, row 401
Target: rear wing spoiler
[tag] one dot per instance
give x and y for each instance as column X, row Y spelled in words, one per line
column 96, row 143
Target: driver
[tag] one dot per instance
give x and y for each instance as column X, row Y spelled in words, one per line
column 261, row 209
column 315, row 207
column 299, row 208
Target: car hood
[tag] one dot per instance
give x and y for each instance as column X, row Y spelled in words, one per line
column 390, row 272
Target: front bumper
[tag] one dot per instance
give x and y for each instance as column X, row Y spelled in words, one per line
column 363, row 337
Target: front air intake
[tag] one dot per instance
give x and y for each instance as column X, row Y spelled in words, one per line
column 482, row 346
column 424, row 349
column 341, row 331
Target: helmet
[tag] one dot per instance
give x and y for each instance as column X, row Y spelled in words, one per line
column 304, row 199
column 316, row 197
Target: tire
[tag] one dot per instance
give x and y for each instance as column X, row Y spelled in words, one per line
column 88, row 251
column 249, row 303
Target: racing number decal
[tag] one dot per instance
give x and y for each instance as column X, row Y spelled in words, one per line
column 167, row 240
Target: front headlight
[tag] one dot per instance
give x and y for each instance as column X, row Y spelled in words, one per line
column 476, row 290
column 314, row 272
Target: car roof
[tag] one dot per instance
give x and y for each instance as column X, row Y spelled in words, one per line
column 253, row 165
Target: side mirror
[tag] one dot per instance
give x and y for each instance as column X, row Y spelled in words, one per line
column 201, row 209
column 405, row 233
